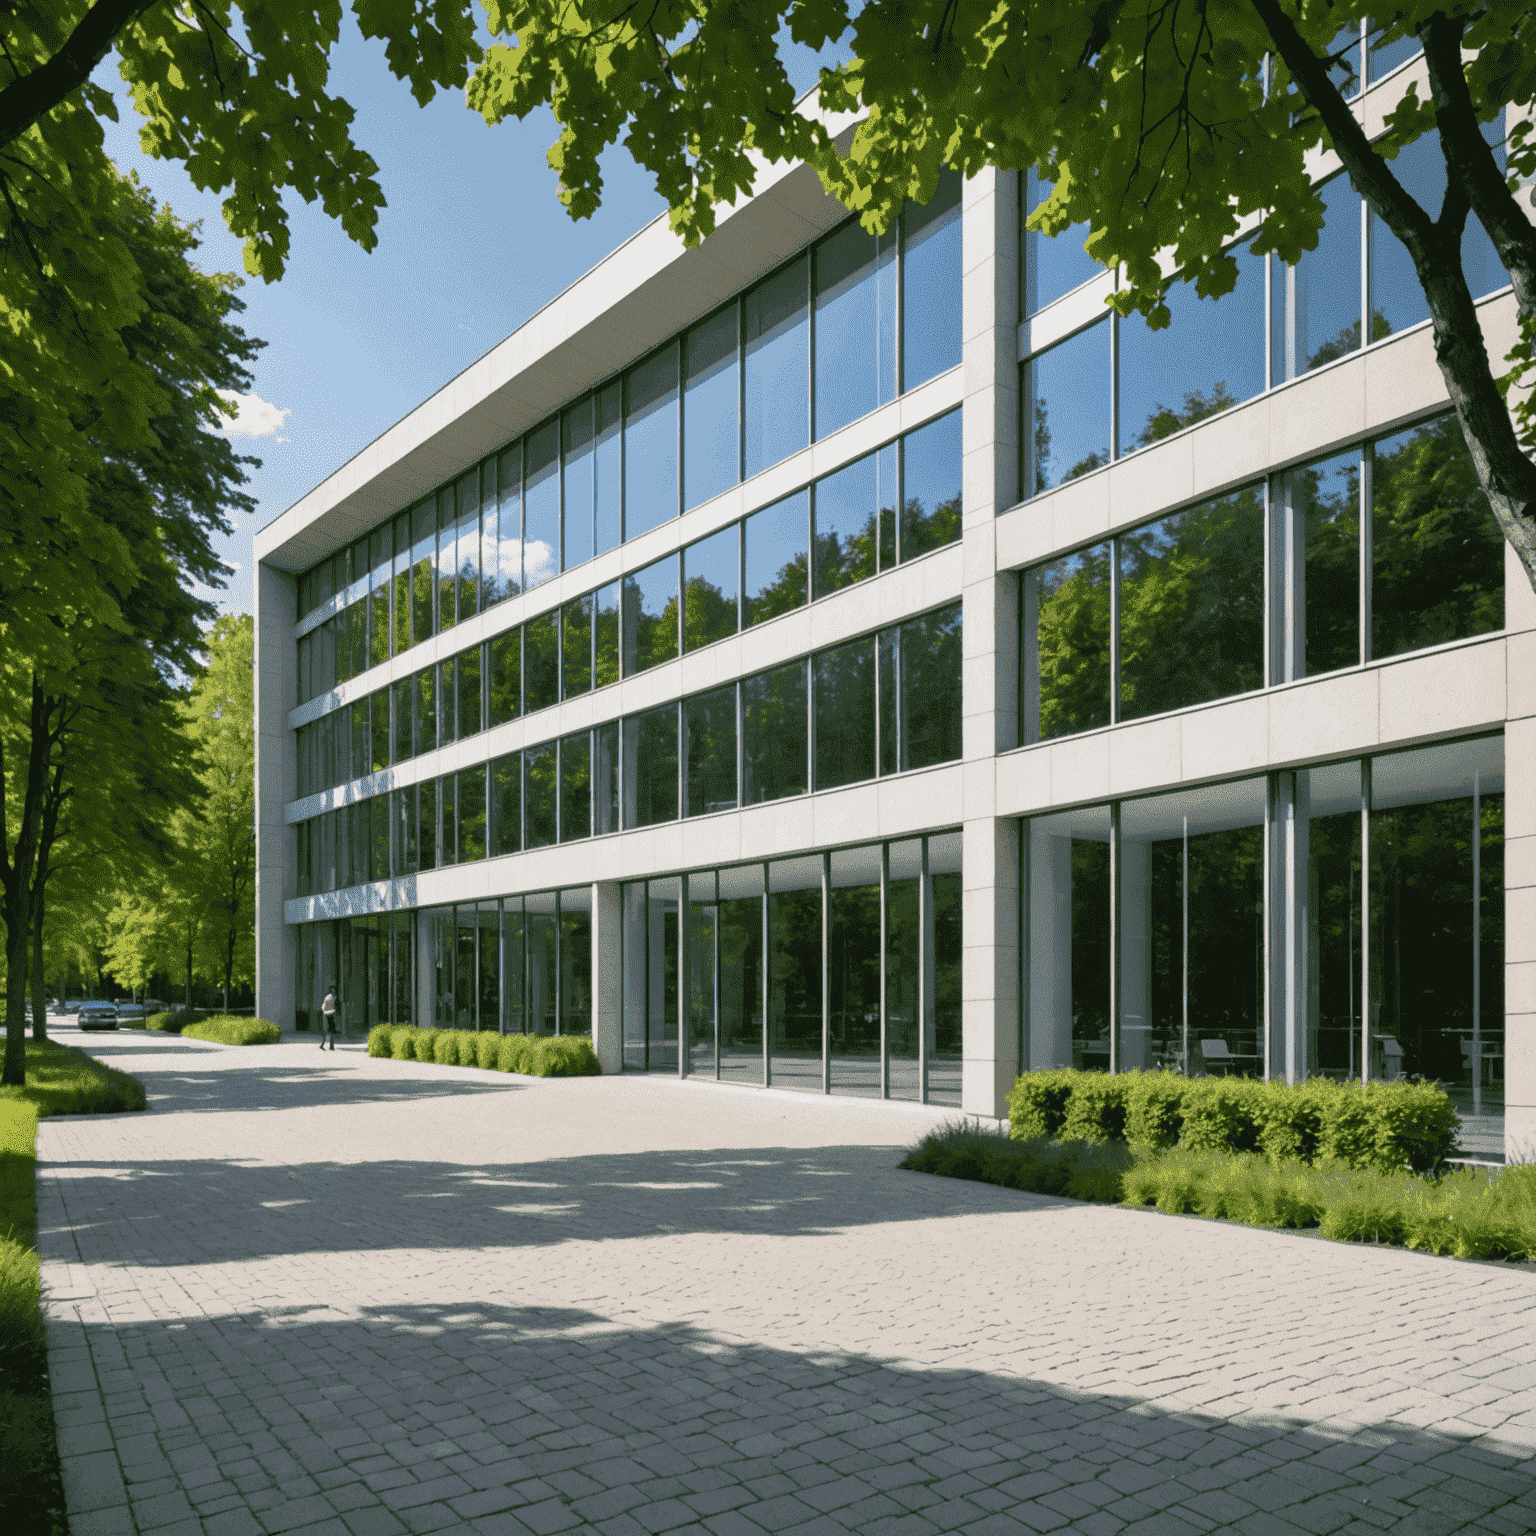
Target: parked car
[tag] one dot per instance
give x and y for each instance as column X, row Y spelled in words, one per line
column 130, row 1012
column 72, row 1005
column 98, row 1016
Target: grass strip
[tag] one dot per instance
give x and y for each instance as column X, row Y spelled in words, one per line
column 32, row 1488
column 1465, row 1213
column 63, row 1080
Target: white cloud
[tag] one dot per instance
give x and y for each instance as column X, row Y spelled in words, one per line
column 253, row 416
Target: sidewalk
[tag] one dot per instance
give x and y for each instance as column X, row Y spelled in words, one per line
column 343, row 1297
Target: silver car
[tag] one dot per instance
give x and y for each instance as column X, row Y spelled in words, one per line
column 130, row 1013
column 98, row 1016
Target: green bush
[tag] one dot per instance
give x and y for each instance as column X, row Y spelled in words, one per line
column 1392, row 1127
column 445, row 1048
column 62, row 1080
column 1467, row 1213
column 402, row 1042
column 514, row 1053
column 173, row 1022
column 379, row 1040
column 424, row 1043
column 1038, row 1103
column 532, row 1055
column 469, row 1047
column 227, row 1029
column 565, row 1056
column 487, row 1045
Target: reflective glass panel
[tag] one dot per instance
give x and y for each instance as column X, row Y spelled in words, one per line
column 1437, row 555
column 931, row 486
column 608, row 466
column 930, row 283
column 576, row 787
column 541, row 928
column 427, row 824
column 846, row 510
column 650, row 442
column 650, row 616
column 1066, row 404
column 470, row 704
column 845, row 714
column 650, row 763
column 903, row 945
column 701, row 986
column 509, row 515
column 711, row 586
column 423, row 569
column 1066, row 672
column 1325, row 501
column 447, row 559
column 576, row 646
column 777, row 331
column 855, row 277
column 576, row 962
column 540, row 799
column 794, row 974
column 378, row 714
column 506, row 804
column 467, row 500
column 605, row 654
column 1211, row 357
column 709, row 739
column 1327, row 823
column 662, row 943
column 448, row 695
column 1053, row 264
column 472, row 813
column 1317, row 302
column 506, row 676
column 945, row 1050
column 1192, row 606
column 920, row 697
column 541, row 662
column 490, row 553
column 488, row 983
column 775, row 543
column 513, row 966
column 579, row 482
column 605, row 778
column 774, row 728
column 740, row 969
column 401, row 586
column 541, row 505
column 711, row 412
column 853, row 971
column 1385, row 56
column 425, row 684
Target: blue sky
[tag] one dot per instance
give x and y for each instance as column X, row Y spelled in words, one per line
column 472, row 243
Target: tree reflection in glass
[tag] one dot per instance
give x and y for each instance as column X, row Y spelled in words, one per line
column 794, row 973
column 853, row 971
column 1067, row 664
column 1325, row 501
column 740, row 917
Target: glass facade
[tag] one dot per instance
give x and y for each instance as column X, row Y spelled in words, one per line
column 826, row 973
column 1379, row 551
column 1343, row 920
column 883, row 704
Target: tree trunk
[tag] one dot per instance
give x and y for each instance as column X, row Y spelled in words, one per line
column 18, row 859
column 39, row 983
column 188, row 1003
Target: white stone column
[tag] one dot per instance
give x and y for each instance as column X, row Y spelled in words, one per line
column 1520, row 869
column 608, row 974
column 990, row 979
column 276, row 785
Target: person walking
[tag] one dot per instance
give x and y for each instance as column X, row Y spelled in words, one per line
column 328, row 1013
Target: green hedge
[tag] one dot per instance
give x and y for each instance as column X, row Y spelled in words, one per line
column 1389, row 1127
column 1468, row 1213
column 228, row 1029
column 62, row 1080
column 173, row 1022
column 531, row 1055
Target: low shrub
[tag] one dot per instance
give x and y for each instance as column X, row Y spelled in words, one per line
column 173, row 1022
column 1390, row 1127
column 63, row 1080
column 226, row 1029
column 532, row 1055
column 1469, row 1213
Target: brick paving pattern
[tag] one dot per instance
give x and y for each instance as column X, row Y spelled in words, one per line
column 329, row 1296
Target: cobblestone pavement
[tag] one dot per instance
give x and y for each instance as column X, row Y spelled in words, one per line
column 339, row 1297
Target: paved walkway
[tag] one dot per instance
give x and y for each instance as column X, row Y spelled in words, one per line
column 338, row 1297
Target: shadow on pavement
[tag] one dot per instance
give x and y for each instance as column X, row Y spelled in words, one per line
column 571, row 1417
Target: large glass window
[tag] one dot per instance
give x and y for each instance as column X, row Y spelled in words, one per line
column 425, row 687
column 541, row 926
column 776, row 541
column 846, row 510
column 775, row 734
column 903, row 969
column 740, row 927
column 467, row 501
column 490, row 552
column 541, row 505
column 920, row 700
column 1192, row 606
column 650, row 442
column 576, row 646
column 423, row 569
column 541, row 823
column 845, row 714
column 606, row 648
column 576, row 962
column 509, row 501
column 606, row 786
column 709, row 741
column 608, row 466
column 1067, row 670
column 506, row 804
column 1316, row 310
column 711, row 587
column 945, row 1051
column 541, row 662
column 650, row 616
column 776, row 409
column 1067, row 394
column 1437, row 555
column 579, row 482
column 1052, row 264
column 1325, row 502
column 931, row 488
column 650, row 763
column 447, row 559
column 853, row 971
column 711, row 409
column 470, row 702
column 794, row 974
column 472, row 813
column 930, row 289
column 506, row 676
column 855, row 277
column 576, row 787
column 1210, row 357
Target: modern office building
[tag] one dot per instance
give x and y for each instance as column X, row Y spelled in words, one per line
column 866, row 666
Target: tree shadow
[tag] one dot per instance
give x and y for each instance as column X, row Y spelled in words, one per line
column 502, row 1419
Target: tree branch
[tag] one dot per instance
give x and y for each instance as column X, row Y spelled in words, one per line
column 1471, row 162
column 34, row 95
